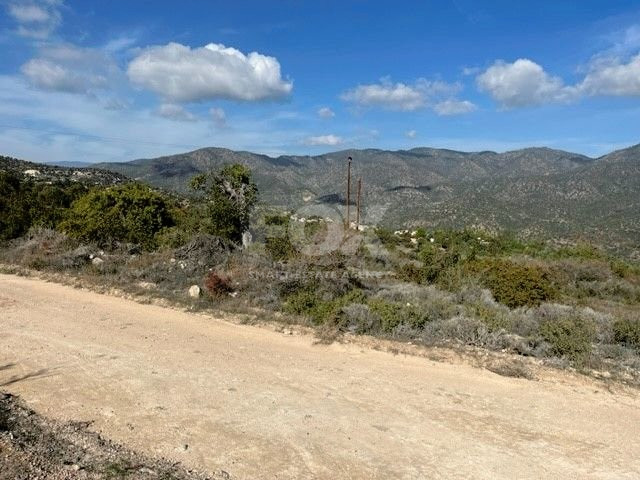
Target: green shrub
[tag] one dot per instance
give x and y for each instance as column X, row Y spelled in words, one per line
column 437, row 260
column 280, row 248
column 569, row 336
column 393, row 315
column 410, row 272
column 130, row 213
column 493, row 318
column 307, row 302
column 15, row 218
column 514, row 284
column 24, row 204
column 627, row 332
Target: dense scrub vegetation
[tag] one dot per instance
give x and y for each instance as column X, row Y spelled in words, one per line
column 568, row 304
column 24, row 204
column 130, row 213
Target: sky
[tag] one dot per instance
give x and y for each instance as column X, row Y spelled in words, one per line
column 97, row 81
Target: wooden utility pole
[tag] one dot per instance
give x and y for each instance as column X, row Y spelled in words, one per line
column 358, row 203
column 348, row 223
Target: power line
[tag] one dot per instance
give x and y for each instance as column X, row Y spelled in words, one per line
column 101, row 138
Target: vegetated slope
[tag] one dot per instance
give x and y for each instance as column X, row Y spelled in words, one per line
column 598, row 201
column 56, row 174
column 290, row 179
column 537, row 191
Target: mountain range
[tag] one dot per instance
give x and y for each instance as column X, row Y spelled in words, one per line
column 536, row 192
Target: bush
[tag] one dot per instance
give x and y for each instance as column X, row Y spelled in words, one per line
column 360, row 319
column 130, row 213
column 516, row 285
column 24, row 204
column 627, row 332
column 393, row 315
column 468, row 331
column 569, row 336
column 217, row 285
column 280, row 248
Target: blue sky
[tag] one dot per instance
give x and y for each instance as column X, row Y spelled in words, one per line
column 110, row 81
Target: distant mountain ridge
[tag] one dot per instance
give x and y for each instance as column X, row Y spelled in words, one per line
column 287, row 180
column 534, row 191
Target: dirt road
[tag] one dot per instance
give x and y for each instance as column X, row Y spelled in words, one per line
column 263, row 405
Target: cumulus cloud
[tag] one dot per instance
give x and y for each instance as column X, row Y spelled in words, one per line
column 454, row 107
column 331, row 140
column 37, row 18
column 525, row 83
column 403, row 97
column 183, row 74
column 219, row 117
column 394, row 96
column 411, row 134
column 175, row 112
column 522, row 83
column 612, row 77
column 71, row 69
column 326, row 112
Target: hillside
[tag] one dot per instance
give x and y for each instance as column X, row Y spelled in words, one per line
column 56, row 174
column 292, row 180
column 537, row 191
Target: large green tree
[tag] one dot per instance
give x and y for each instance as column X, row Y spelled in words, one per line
column 132, row 213
column 229, row 197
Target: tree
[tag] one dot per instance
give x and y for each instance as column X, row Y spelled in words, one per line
column 15, row 218
column 131, row 213
column 229, row 196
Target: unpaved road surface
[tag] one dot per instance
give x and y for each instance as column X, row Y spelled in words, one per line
column 263, row 405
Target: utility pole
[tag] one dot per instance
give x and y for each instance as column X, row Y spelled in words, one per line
column 358, row 203
column 348, row 223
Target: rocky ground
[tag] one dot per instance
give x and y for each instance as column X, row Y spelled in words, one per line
column 33, row 447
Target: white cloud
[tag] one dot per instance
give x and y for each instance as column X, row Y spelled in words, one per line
column 454, row 107
column 36, row 18
column 399, row 96
column 58, row 126
column 175, row 112
column 71, row 69
column 523, row 83
column 411, row 134
column 396, row 96
column 331, row 140
column 219, row 117
column 326, row 112
column 612, row 77
column 182, row 74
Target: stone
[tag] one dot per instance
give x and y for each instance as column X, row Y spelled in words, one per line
column 195, row 291
column 97, row 261
column 247, row 239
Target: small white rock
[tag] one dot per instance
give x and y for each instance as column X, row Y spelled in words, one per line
column 97, row 261
column 195, row 291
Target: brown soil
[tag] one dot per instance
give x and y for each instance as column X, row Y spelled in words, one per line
column 256, row 403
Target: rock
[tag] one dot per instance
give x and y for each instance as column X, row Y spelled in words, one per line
column 247, row 239
column 195, row 291
column 147, row 285
column 97, row 261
